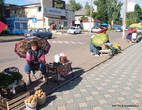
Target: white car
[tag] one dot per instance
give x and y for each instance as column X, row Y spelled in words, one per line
column 95, row 29
column 74, row 30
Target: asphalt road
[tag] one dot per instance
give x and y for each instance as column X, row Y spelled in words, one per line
column 76, row 47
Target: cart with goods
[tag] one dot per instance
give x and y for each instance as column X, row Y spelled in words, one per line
column 12, row 89
column 133, row 35
column 59, row 68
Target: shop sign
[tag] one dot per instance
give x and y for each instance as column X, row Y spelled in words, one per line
column 59, row 4
column 54, row 11
column 131, row 6
column 34, row 20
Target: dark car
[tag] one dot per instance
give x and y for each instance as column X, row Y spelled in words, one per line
column 42, row 33
column 118, row 29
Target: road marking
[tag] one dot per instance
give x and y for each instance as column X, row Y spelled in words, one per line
column 66, row 42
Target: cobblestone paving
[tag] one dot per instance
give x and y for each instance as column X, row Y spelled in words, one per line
column 115, row 85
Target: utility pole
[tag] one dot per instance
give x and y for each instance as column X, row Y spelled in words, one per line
column 90, row 14
column 124, row 19
column 42, row 9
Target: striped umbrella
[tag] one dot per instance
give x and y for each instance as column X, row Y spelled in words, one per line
column 22, row 47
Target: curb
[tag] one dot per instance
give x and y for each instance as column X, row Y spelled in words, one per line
column 75, row 77
column 11, row 40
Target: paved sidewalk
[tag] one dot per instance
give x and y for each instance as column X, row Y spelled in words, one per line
column 11, row 38
column 114, row 85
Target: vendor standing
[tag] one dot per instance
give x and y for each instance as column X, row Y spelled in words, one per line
column 35, row 60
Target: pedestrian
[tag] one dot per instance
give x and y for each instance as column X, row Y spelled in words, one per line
column 93, row 49
column 35, row 60
column 62, row 26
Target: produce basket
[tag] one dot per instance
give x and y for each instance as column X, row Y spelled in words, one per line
column 41, row 97
column 11, row 83
column 31, row 103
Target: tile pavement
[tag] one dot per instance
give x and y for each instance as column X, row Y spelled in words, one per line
column 114, row 85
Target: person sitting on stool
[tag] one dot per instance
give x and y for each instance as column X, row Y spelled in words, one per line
column 35, row 60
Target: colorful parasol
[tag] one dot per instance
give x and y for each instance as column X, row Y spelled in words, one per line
column 102, row 31
column 132, row 30
column 139, row 26
column 104, row 24
column 22, row 47
column 2, row 26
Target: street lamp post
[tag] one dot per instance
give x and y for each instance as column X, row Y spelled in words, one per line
column 90, row 14
column 124, row 19
column 42, row 8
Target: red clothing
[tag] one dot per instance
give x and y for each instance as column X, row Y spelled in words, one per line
column 33, row 58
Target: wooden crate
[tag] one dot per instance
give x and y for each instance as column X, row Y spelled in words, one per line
column 17, row 103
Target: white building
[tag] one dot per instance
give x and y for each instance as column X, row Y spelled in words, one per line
column 87, row 23
column 42, row 15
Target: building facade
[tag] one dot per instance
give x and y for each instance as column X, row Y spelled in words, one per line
column 44, row 14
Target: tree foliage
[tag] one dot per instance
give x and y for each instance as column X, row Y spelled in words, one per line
column 75, row 6
column 134, row 17
column 87, row 7
column 108, row 10
column 1, row 10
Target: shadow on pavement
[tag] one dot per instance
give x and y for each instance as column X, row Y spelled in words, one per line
column 62, row 85
column 48, row 101
column 52, row 85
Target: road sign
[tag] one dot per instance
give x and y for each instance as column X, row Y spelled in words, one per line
column 34, row 20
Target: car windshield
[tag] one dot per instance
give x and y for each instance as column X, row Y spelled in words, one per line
column 72, row 28
column 37, row 30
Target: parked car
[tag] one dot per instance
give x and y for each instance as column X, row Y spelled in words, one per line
column 74, row 30
column 97, row 29
column 118, row 29
column 42, row 33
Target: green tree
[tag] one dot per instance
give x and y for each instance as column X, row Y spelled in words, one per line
column 87, row 8
column 114, row 8
column 1, row 10
column 75, row 6
column 101, row 10
column 87, row 5
column 108, row 10
column 134, row 17
column 138, row 12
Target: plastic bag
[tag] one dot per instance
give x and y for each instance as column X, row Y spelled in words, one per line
column 57, row 58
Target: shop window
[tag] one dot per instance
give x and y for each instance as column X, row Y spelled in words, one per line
column 39, row 9
column 17, row 25
column 24, row 25
column 10, row 26
column 65, row 24
column 14, row 11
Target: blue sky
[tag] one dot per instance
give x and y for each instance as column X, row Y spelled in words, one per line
column 23, row 2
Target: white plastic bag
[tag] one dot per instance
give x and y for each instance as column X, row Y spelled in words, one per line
column 57, row 58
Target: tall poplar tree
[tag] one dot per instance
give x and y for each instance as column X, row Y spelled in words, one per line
column 75, row 6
